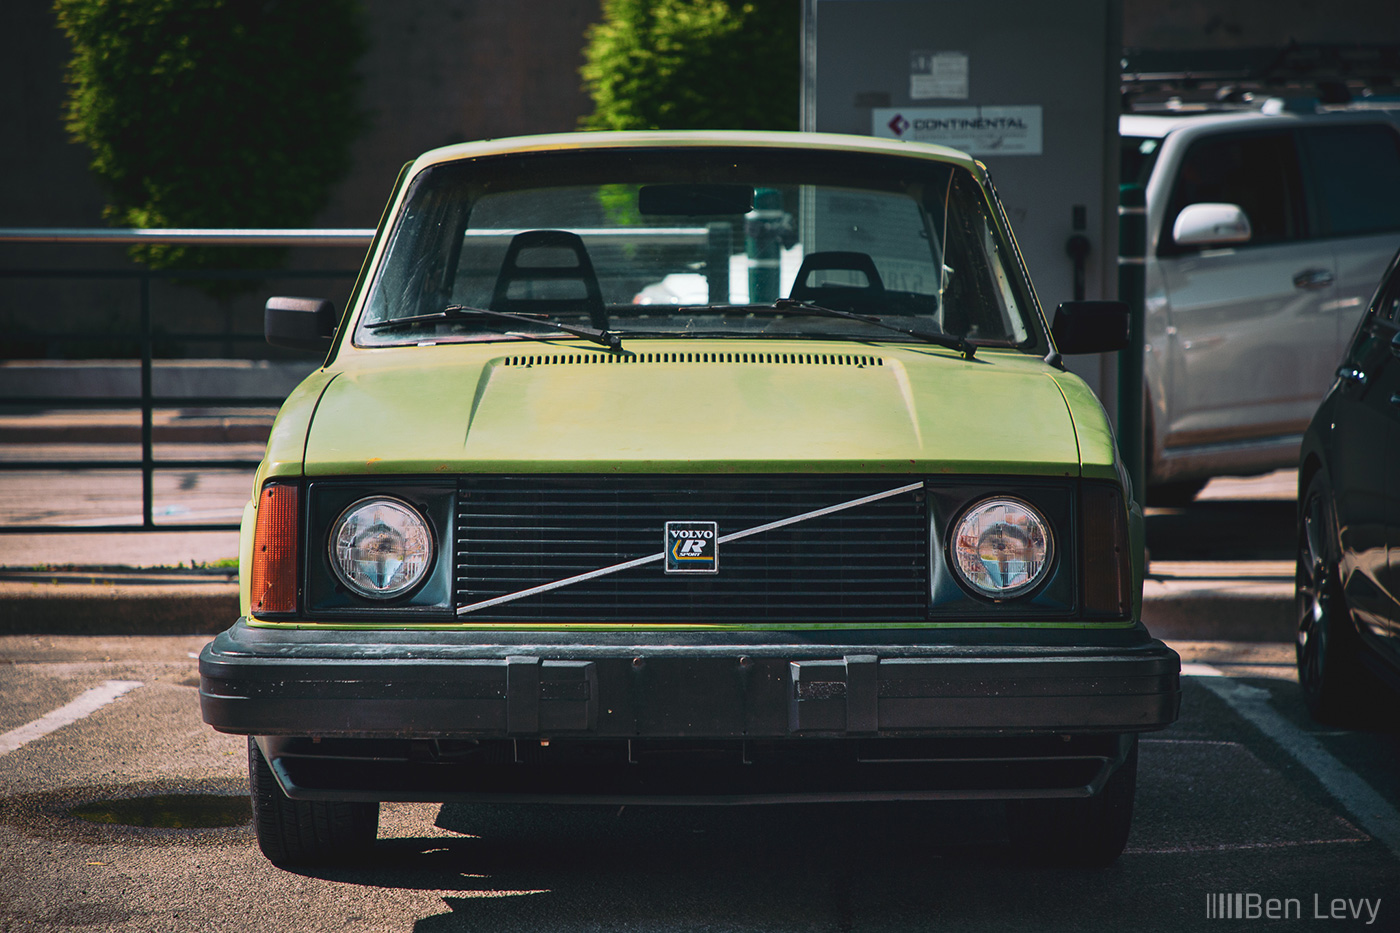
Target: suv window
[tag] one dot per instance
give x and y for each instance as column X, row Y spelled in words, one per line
column 1138, row 155
column 1358, row 177
column 1257, row 171
column 1370, row 346
column 1388, row 308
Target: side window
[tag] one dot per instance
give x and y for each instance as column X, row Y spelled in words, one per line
column 1357, row 177
column 1257, row 171
column 1371, row 343
column 1388, row 308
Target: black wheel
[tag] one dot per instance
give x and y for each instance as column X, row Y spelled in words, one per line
column 1085, row 832
column 306, row 832
column 1329, row 664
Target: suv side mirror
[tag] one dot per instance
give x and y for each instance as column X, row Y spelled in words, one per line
column 1211, row 225
column 299, row 323
column 1090, row 326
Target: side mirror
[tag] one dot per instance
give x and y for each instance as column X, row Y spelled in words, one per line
column 299, row 323
column 1090, row 326
column 1211, row 225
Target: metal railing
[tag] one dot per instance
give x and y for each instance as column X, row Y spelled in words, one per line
column 147, row 401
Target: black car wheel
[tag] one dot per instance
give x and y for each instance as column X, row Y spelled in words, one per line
column 306, row 832
column 1329, row 668
column 1087, row 832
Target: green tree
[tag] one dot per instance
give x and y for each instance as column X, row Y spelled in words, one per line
column 213, row 113
column 694, row 64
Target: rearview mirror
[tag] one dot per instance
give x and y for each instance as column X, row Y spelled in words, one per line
column 299, row 323
column 1090, row 326
column 695, row 200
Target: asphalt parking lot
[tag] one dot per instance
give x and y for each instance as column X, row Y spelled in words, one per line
column 1244, row 795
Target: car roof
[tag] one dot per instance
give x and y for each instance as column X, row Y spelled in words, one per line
column 695, row 139
column 1159, row 125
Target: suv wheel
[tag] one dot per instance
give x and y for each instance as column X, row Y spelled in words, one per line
column 306, row 832
column 1087, row 832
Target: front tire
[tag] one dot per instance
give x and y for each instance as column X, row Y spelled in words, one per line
column 1330, row 671
column 1089, row 832
column 306, row 832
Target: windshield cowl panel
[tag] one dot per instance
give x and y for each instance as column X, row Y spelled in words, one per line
column 697, row 242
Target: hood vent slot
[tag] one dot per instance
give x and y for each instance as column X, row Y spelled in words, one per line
column 765, row 359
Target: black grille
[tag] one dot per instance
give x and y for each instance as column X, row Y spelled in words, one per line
column 867, row 563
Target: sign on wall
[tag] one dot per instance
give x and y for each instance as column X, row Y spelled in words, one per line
column 938, row 74
column 976, row 130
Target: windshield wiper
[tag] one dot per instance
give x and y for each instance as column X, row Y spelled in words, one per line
column 457, row 312
column 951, row 341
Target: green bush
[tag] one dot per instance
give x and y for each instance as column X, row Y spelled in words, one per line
column 694, row 64
column 213, row 113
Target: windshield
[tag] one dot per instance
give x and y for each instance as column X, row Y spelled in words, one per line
column 697, row 242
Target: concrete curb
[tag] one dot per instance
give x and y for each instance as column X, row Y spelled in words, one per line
column 35, row 608
column 1221, row 615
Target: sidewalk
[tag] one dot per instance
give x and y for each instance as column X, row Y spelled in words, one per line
column 123, row 426
column 1220, row 601
column 172, row 380
column 117, row 601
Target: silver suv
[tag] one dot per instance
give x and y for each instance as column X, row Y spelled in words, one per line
column 1267, row 234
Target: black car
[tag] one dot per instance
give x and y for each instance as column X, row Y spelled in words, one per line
column 1348, row 580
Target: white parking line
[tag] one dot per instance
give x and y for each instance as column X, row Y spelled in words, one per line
column 1372, row 811
column 88, row 702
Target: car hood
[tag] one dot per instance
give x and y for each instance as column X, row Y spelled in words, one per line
column 689, row 408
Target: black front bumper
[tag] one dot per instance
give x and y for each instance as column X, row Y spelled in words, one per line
column 685, row 685
column 689, row 718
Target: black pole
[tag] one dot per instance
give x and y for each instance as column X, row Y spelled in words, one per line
column 1132, row 288
column 762, row 234
column 147, row 453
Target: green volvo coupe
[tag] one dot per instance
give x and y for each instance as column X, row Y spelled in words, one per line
column 684, row 468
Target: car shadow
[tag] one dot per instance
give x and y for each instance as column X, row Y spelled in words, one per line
column 1223, row 530
column 762, row 867
column 530, row 844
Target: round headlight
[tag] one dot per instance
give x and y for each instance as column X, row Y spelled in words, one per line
column 381, row 547
column 1002, row 547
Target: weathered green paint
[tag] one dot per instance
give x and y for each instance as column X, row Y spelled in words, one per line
column 286, row 444
column 1097, row 450
column 460, row 408
column 245, row 554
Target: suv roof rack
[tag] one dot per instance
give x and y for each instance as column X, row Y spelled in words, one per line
column 1295, row 78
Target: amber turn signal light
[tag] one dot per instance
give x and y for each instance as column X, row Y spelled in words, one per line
column 273, row 587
